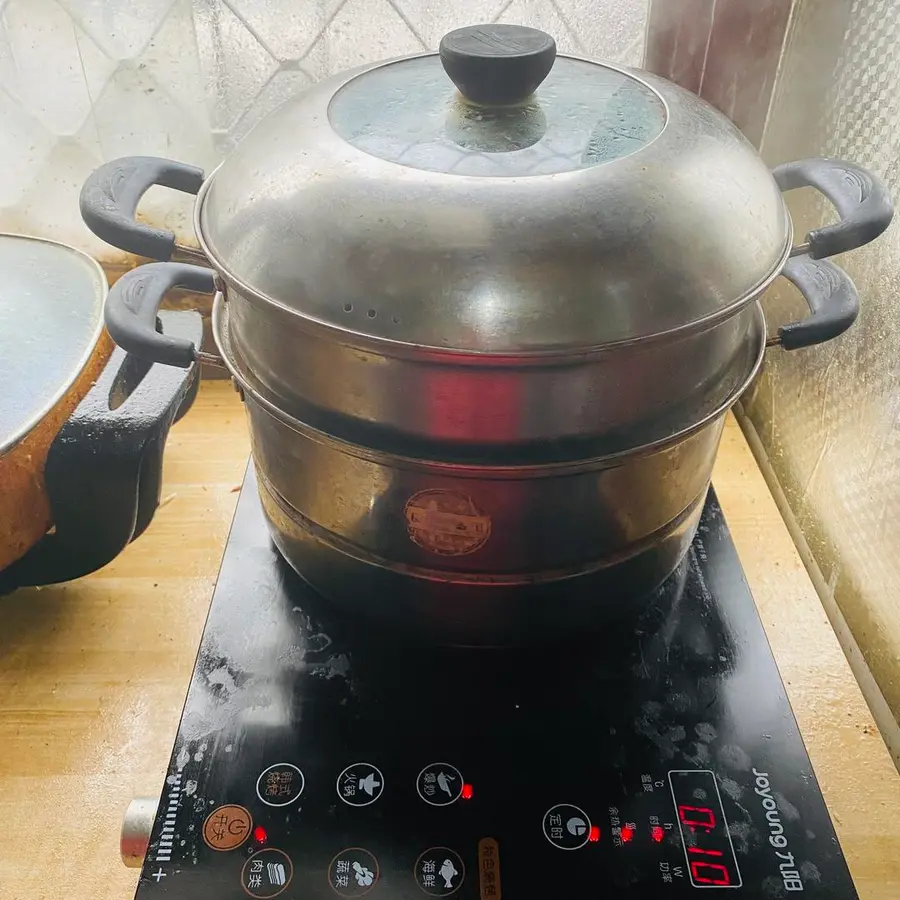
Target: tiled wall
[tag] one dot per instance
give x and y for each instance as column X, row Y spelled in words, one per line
column 727, row 51
column 822, row 78
column 83, row 81
column 830, row 420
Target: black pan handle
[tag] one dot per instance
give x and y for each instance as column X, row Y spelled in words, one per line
column 832, row 299
column 111, row 195
column 861, row 199
column 103, row 474
column 132, row 305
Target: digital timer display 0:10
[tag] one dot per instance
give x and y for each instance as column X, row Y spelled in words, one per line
column 704, row 830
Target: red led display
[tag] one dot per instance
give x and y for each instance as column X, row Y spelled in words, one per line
column 466, row 792
column 627, row 834
column 594, row 834
column 259, row 834
column 704, row 831
column 697, row 817
column 709, row 873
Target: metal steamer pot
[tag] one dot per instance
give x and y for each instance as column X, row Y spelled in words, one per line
column 487, row 309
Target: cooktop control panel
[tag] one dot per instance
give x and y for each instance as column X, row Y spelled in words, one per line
column 658, row 760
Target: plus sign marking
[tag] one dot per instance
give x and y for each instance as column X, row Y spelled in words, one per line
column 158, row 874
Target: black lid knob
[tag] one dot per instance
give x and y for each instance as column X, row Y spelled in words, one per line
column 497, row 64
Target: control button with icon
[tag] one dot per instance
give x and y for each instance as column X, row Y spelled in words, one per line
column 567, row 827
column 440, row 871
column 440, row 784
column 280, row 785
column 267, row 873
column 353, row 872
column 227, row 827
column 360, row 784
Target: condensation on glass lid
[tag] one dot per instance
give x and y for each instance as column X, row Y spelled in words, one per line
column 584, row 114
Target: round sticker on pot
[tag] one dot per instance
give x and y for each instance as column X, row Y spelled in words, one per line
column 446, row 522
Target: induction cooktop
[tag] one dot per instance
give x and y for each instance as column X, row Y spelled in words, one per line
column 318, row 758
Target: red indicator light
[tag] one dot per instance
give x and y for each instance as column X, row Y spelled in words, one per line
column 466, row 792
column 259, row 835
column 658, row 833
column 594, row 834
column 627, row 834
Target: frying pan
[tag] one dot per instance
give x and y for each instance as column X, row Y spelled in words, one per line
column 82, row 423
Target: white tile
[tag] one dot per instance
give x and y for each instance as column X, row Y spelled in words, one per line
column 282, row 86
column 432, row 19
column 122, row 28
column 49, row 207
column 286, row 27
column 136, row 115
column 171, row 60
column 633, row 54
column 611, row 31
column 43, row 66
column 24, row 145
column 96, row 67
column 8, row 78
column 235, row 65
column 362, row 31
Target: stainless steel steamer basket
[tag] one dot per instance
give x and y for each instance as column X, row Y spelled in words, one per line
column 513, row 551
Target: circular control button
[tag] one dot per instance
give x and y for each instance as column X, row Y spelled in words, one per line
column 267, row 873
column 227, row 827
column 353, row 872
column 567, row 827
column 280, row 784
column 360, row 784
column 440, row 871
column 440, row 784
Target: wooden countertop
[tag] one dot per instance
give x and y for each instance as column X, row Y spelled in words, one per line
column 93, row 675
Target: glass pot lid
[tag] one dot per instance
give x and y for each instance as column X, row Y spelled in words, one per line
column 497, row 198
column 586, row 115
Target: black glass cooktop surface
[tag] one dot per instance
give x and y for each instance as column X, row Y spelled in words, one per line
column 659, row 759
